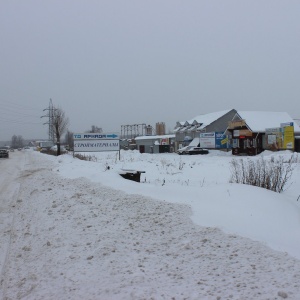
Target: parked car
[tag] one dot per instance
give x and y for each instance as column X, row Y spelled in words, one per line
column 4, row 152
column 184, row 150
column 54, row 148
column 197, row 150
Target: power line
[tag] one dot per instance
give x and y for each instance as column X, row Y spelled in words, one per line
column 18, row 106
column 5, row 120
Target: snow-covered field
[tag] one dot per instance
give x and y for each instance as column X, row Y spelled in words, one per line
column 73, row 229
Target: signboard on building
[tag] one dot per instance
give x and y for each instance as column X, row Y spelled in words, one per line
column 271, row 139
column 221, row 140
column 287, row 124
column 214, row 140
column 236, row 123
column 242, row 132
column 208, row 140
column 274, row 138
column 281, row 138
column 164, row 141
column 288, row 137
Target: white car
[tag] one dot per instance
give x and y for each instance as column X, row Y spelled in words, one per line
column 184, row 150
column 54, row 148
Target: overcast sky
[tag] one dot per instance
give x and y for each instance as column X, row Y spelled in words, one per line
column 112, row 63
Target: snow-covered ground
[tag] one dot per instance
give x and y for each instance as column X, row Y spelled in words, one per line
column 73, row 229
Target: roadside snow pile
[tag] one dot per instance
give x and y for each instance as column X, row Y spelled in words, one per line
column 202, row 182
column 78, row 239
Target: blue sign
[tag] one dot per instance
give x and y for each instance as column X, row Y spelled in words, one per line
column 112, row 136
column 221, row 140
column 95, row 136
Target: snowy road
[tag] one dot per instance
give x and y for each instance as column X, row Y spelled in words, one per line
column 73, row 239
column 9, row 187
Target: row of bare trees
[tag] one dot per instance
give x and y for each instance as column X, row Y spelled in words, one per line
column 17, row 141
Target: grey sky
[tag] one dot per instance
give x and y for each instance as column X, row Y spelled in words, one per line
column 112, row 63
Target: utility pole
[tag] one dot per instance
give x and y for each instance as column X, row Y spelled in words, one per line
column 50, row 116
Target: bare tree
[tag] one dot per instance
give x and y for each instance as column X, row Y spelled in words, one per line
column 20, row 141
column 14, row 142
column 60, row 124
column 69, row 139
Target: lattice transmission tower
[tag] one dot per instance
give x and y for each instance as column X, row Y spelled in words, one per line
column 50, row 115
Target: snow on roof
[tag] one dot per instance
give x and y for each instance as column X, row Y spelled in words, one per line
column 209, row 118
column 152, row 137
column 258, row 121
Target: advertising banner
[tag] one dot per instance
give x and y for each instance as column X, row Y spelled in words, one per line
column 221, row 140
column 281, row 138
column 271, row 139
column 165, row 141
column 96, row 145
column 208, row 140
column 274, row 138
column 288, row 137
column 214, row 140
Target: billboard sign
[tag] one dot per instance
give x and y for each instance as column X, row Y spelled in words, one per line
column 281, row 138
column 288, row 137
column 96, row 145
column 214, row 140
column 96, row 142
column 208, row 140
column 221, row 140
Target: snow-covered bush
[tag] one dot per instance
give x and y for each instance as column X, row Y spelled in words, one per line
column 86, row 157
column 272, row 174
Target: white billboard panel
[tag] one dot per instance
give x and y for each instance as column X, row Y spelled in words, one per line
column 208, row 140
column 96, row 145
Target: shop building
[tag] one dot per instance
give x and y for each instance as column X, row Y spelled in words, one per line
column 187, row 131
column 255, row 131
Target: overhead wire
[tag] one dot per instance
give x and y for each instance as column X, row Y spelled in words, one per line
column 14, row 113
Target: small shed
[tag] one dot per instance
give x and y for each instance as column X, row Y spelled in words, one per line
column 155, row 143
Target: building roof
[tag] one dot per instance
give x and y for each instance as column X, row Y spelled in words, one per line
column 152, row 137
column 209, row 118
column 202, row 120
column 258, row 121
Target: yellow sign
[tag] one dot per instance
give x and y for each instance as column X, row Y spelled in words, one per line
column 224, row 141
column 288, row 137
